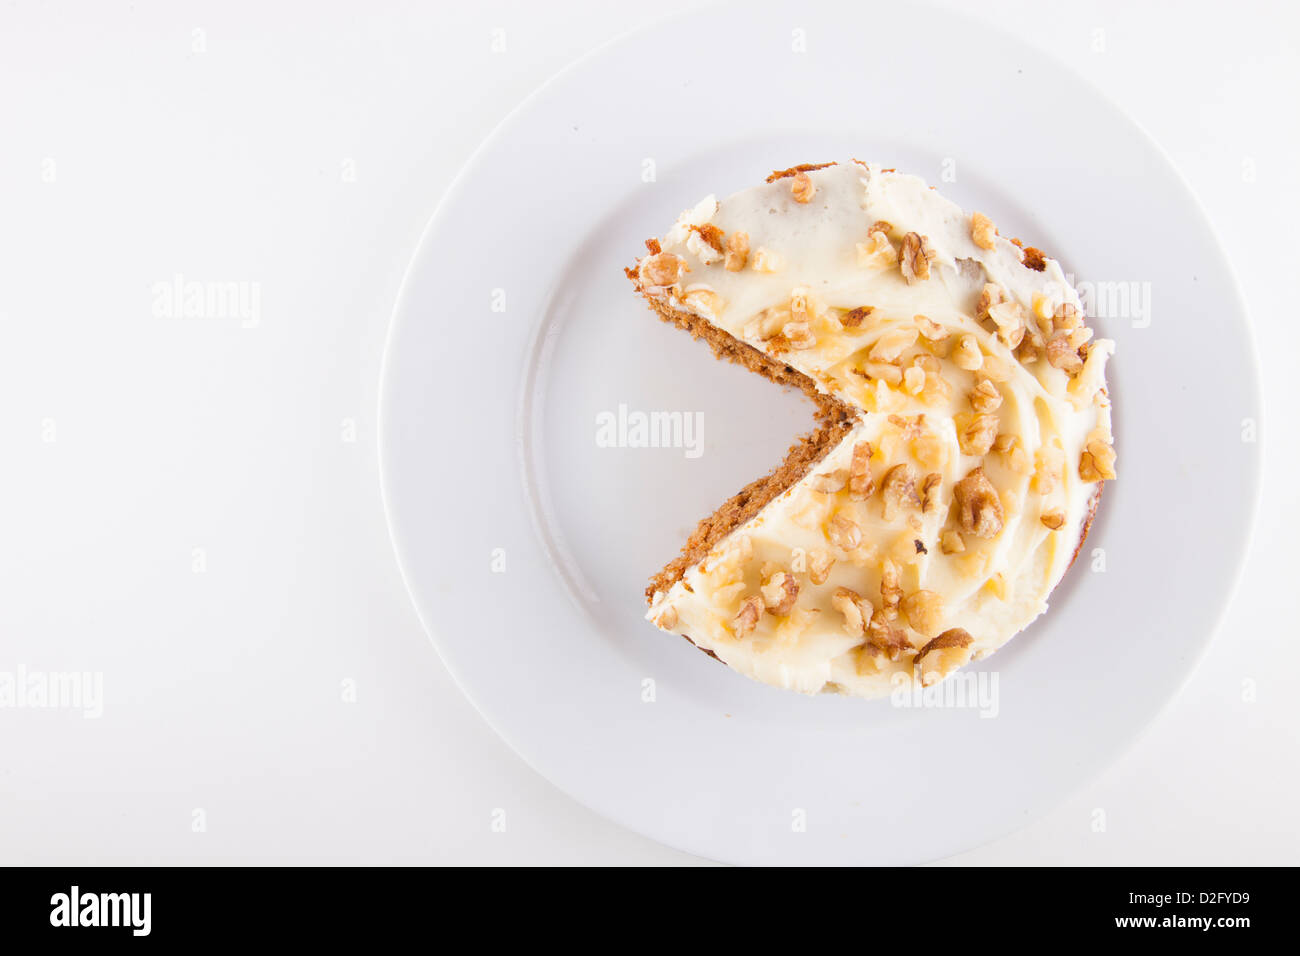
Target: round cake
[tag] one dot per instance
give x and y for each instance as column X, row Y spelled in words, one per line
column 963, row 430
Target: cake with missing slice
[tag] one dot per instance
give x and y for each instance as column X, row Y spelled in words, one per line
column 963, row 430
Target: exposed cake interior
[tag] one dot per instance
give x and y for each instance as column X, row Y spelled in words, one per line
column 834, row 419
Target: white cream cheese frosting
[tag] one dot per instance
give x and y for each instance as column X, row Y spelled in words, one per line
column 939, row 525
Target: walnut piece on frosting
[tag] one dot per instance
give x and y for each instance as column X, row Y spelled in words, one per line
column 891, row 592
column 916, row 257
column 856, row 611
column 819, row 565
column 1097, row 462
column 966, row 353
column 992, row 294
column 943, row 655
column 898, row 491
column 706, row 243
column 861, row 484
column 661, row 270
column 844, row 533
column 982, row 230
column 780, row 592
column 667, row 618
column 799, row 335
column 930, row 486
column 1061, row 354
column 877, row 252
column 985, row 397
column 930, row 330
column 978, row 504
column 702, row 299
column 976, row 434
column 924, row 611
column 951, row 542
column 893, row 344
column 737, row 251
column 802, row 188
column 747, row 617
column 829, row 482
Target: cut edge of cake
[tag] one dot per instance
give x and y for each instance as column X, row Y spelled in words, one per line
column 834, row 419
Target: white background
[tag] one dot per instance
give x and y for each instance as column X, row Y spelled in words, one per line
column 303, row 147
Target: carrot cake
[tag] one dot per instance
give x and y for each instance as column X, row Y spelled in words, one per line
column 963, row 430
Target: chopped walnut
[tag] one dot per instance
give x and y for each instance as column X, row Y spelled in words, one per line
column 1062, row 355
column 1067, row 318
column 819, row 565
column 976, row 436
column 747, row 617
column 876, row 252
column 916, row 257
column 737, row 251
column 1049, row 463
column 891, row 374
column 1079, row 337
column 930, row 485
column 767, row 325
column 799, row 335
column 779, row 593
column 1043, row 312
column 914, row 380
column 911, row 427
column 892, row 344
column 1009, row 317
column 930, row 329
column 924, row 611
column 661, row 270
column 942, row 656
column 861, row 484
column 966, row 353
column 712, row 236
column 886, row 635
column 982, row 230
column 880, row 225
column 985, row 397
column 844, row 533
column 899, row 491
column 1055, row 520
column 854, row 318
column 891, row 592
column 829, row 482
column 802, row 188
column 978, row 504
column 799, row 304
column 950, row 542
column 850, row 604
column 1017, row 457
column 928, row 363
column 1097, row 463
column 929, row 450
column 667, row 618
column 990, row 296
column 703, row 300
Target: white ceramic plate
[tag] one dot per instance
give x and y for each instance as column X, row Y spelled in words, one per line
column 526, row 545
